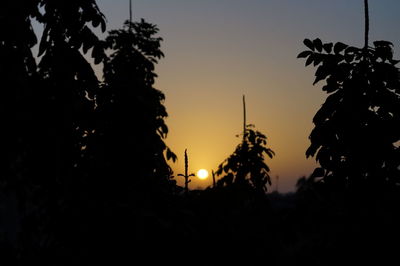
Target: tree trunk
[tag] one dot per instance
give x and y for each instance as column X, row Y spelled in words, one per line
column 366, row 10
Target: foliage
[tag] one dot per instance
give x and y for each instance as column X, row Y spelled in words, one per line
column 246, row 166
column 130, row 110
column 356, row 133
column 52, row 113
column 18, row 75
column 69, row 83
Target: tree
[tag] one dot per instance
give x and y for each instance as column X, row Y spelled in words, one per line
column 19, row 78
column 131, row 126
column 69, row 83
column 186, row 175
column 356, row 133
column 62, row 110
column 47, row 108
column 246, row 166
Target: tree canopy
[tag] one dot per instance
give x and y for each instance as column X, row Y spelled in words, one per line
column 356, row 134
column 246, row 165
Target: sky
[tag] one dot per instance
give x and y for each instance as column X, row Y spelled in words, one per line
column 216, row 51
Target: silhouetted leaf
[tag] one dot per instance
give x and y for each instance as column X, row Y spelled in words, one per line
column 382, row 43
column 309, row 60
column 44, row 42
column 318, row 44
column 328, row 47
column 304, row 54
column 330, row 87
column 318, row 172
column 309, row 44
column 384, row 52
column 352, row 50
column 103, row 25
column 312, row 150
column 318, row 58
column 95, row 22
column 320, row 74
column 323, row 157
column 339, row 47
column 349, row 57
column 170, row 155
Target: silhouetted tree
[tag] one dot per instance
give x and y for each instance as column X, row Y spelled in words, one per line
column 69, row 82
column 62, row 106
column 186, row 175
column 246, row 166
column 18, row 78
column 131, row 113
column 356, row 134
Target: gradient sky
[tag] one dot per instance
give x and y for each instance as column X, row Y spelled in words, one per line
column 216, row 51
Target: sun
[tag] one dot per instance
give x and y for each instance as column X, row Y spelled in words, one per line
column 202, row 174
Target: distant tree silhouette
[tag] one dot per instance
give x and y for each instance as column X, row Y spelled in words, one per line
column 131, row 113
column 356, row 134
column 246, row 166
column 186, row 175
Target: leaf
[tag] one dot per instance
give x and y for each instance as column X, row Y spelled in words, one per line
column 349, row 57
column 88, row 39
column 219, row 171
column 304, row 54
column 309, row 44
column 318, row 58
column 269, row 152
column 43, row 41
column 321, row 74
column 310, row 59
column 312, row 150
column 95, row 22
column 98, row 53
column 318, row 79
column 339, row 47
column 97, row 60
column 226, row 168
column 103, row 25
column 321, row 116
column 331, row 85
column 171, row 156
column 382, row 43
column 323, row 157
column 328, row 47
column 353, row 50
column 328, row 109
column 384, row 52
column 318, row 44
column 318, row 172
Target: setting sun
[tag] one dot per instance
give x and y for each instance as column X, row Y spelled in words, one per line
column 202, row 174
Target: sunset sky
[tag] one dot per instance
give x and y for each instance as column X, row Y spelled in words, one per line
column 216, row 51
